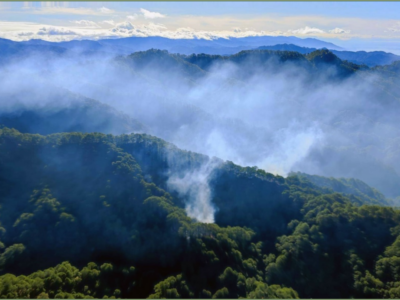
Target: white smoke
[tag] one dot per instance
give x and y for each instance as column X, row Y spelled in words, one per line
column 291, row 147
column 194, row 187
column 242, row 112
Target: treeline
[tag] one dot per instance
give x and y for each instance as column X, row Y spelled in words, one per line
column 197, row 66
column 92, row 216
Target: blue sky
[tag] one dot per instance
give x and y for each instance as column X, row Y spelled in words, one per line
column 386, row 10
column 355, row 25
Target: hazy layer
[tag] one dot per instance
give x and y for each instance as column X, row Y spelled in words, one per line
column 275, row 116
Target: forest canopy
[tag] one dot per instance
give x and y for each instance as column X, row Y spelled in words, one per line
column 92, row 216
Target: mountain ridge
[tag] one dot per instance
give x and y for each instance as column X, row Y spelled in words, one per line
column 96, row 192
column 371, row 59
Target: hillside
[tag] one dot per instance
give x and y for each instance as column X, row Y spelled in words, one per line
column 199, row 150
column 35, row 107
column 87, row 116
column 314, row 63
column 224, row 106
column 234, row 78
column 371, row 59
column 349, row 187
column 106, row 200
column 221, row 106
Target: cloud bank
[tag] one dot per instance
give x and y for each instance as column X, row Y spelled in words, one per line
column 307, row 30
column 86, row 29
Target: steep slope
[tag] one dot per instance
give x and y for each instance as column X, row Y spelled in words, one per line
column 85, row 199
column 64, row 112
column 88, row 197
column 325, row 58
column 348, row 187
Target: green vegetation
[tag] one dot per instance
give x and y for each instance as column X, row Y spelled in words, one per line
column 314, row 63
column 91, row 216
column 357, row 191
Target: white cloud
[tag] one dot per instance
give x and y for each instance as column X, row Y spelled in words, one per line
column 105, row 10
column 24, row 34
column 395, row 27
column 109, row 22
column 86, row 23
column 307, row 30
column 124, row 27
column 20, row 31
column 86, row 29
column 339, row 31
column 150, row 14
column 55, row 31
column 133, row 17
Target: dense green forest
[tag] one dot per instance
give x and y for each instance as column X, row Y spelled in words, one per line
column 89, row 209
column 91, row 215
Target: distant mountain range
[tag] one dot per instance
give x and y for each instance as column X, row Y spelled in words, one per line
column 220, row 46
column 183, row 46
column 125, row 46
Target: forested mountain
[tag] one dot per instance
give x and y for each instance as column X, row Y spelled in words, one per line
column 314, row 61
column 153, row 174
column 369, row 100
column 37, row 107
column 106, row 200
column 313, row 64
column 348, row 186
column 371, row 59
column 222, row 106
column 86, row 115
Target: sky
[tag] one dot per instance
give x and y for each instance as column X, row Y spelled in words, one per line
column 351, row 25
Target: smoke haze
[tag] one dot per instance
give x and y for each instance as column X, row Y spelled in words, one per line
column 278, row 116
column 195, row 188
